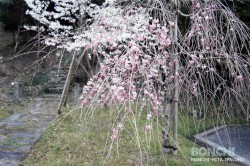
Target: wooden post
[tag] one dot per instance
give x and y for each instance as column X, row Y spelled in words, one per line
column 66, row 85
column 195, row 114
column 15, row 92
column 76, row 93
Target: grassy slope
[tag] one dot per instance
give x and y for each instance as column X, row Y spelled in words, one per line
column 70, row 142
column 5, row 112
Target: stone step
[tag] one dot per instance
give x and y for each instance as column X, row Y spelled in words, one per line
column 62, row 68
column 57, row 80
column 58, row 75
column 56, row 84
column 51, row 96
column 56, row 90
column 59, row 72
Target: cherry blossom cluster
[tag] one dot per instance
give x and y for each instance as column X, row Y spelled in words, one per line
column 110, row 27
column 211, row 43
column 50, row 14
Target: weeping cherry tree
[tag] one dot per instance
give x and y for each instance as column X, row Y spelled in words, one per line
column 150, row 63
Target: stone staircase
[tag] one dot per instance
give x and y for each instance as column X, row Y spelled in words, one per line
column 58, row 78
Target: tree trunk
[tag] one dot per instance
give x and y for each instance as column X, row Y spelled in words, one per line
column 165, row 132
column 176, row 108
column 16, row 41
column 82, row 17
column 66, row 85
column 167, row 147
column 176, row 82
column 89, row 66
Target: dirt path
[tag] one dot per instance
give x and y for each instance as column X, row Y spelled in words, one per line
column 21, row 131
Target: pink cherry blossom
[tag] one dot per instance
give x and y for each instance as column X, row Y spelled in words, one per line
column 115, row 134
column 171, row 78
column 120, row 126
column 171, row 23
column 239, row 78
column 148, row 128
column 149, row 116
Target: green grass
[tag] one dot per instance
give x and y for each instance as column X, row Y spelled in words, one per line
column 5, row 112
column 71, row 141
column 8, row 109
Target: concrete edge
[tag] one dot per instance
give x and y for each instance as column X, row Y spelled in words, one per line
column 200, row 138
